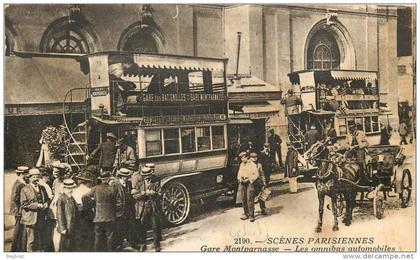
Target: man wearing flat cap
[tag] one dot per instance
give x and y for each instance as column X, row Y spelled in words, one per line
column 67, row 217
column 34, row 202
column 15, row 209
column 106, row 151
column 147, row 196
column 105, row 198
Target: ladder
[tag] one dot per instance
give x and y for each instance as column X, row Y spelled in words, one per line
column 295, row 133
column 76, row 145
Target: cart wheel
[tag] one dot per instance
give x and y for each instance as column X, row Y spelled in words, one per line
column 175, row 203
column 341, row 205
column 379, row 202
column 406, row 186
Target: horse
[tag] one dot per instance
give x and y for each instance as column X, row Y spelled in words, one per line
column 335, row 175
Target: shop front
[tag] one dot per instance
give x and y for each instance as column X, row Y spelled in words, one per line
column 252, row 106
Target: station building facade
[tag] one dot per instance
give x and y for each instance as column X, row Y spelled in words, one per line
column 275, row 40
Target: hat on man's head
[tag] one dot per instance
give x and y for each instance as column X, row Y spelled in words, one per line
column 150, row 165
column 22, row 169
column 69, row 184
column 243, row 154
column 146, row 171
column 290, row 91
column 84, row 176
column 123, row 172
column 63, row 167
column 271, row 130
column 253, row 157
column 104, row 175
column 34, row 171
column 111, row 135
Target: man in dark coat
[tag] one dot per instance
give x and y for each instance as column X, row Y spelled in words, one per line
column 260, row 183
column 311, row 137
column 123, row 207
column 386, row 132
column 105, row 199
column 266, row 161
column 147, row 195
column 275, row 141
column 67, row 217
column 19, row 238
column 34, row 202
column 16, row 188
column 107, row 151
column 85, row 228
column 292, row 169
column 330, row 134
column 126, row 157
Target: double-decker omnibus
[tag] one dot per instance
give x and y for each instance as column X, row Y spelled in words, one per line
column 340, row 97
column 172, row 110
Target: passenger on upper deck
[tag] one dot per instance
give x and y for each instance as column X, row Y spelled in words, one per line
column 291, row 103
column 120, row 87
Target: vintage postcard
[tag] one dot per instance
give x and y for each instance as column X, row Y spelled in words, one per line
column 210, row 128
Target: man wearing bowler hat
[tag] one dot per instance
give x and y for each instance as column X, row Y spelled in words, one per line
column 67, row 217
column 105, row 198
column 34, row 202
column 107, row 151
column 147, row 195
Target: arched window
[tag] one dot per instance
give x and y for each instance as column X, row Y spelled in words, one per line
column 142, row 38
column 65, row 37
column 323, row 52
column 141, row 42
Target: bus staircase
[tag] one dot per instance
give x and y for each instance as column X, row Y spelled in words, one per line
column 76, row 144
column 295, row 133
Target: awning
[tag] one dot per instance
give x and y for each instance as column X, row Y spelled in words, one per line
column 41, row 80
column 259, row 108
column 353, row 75
column 321, row 113
column 239, row 121
column 254, row 111
column 181, row 63
column 249, row 83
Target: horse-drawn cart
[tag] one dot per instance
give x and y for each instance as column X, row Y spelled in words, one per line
column 386, row 172
column 341, row 173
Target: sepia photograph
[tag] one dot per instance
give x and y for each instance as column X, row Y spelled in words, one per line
column 209, row 127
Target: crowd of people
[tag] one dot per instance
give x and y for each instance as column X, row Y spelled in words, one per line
column 58, row 210
column 110, row 206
